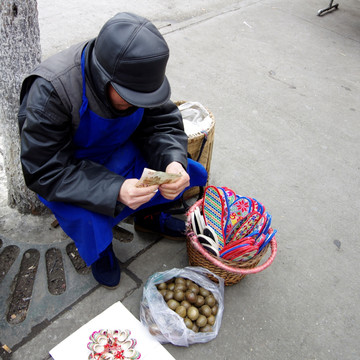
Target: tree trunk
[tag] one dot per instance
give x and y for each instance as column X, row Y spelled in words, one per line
column 19, row 52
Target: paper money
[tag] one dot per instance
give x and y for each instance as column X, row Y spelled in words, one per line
column 151, row 177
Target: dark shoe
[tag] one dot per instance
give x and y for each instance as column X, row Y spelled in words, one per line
column 162, row 224
column 106, row 270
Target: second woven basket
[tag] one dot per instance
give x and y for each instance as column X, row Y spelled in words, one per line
column 231, row 271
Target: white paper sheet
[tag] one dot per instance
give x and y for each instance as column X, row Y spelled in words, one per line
column 115, row 317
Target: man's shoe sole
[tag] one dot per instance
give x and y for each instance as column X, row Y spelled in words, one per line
column 110, row 287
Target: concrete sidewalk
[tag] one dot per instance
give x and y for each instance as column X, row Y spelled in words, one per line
column 284, row 87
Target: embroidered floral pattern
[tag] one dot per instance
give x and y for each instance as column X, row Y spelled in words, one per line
column 241, row 224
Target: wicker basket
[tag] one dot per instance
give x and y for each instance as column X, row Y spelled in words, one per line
column 194, row 147
column 231, row 271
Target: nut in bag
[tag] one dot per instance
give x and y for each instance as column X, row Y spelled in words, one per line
column 192, row 311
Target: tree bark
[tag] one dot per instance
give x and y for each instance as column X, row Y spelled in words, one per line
column 20, row 51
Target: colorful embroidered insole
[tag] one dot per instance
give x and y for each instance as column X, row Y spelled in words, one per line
column 213, row 207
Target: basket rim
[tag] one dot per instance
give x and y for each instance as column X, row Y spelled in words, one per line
column 192, row 238
column 202, row 133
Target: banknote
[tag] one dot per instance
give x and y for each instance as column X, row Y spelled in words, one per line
column 152, row 177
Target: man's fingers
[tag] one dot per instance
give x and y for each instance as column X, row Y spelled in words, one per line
column 171, row 194
column 171, row 191
column 137, row 201
column 143, row 191
column 134, row 197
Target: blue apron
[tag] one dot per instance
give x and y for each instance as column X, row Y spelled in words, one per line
column 106, row 141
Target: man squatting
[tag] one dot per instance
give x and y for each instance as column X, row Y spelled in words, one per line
column 91, row 118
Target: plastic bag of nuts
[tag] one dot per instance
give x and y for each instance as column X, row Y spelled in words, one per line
column 183, row 306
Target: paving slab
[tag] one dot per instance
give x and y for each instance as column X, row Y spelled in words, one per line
column 83, row 19
column 42, row 304
column 283, row 85
column 76, row 316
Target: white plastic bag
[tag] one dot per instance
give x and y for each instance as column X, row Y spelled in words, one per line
column 165, row 324
column 195, row 118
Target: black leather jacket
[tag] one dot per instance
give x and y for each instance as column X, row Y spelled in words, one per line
column 48, row 119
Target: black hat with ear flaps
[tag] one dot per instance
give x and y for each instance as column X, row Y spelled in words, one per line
column 132, row 54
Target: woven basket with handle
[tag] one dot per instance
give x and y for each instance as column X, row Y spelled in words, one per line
column 231, row 271
column 200, row 146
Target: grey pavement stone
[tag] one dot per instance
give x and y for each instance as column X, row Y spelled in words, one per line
column 83, row 19
column 43, row 305
column 157, row 258
column 126, row 251
column 73, row 318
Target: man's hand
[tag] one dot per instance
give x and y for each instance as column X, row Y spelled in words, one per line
column 171, row 191
column 134, row 197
